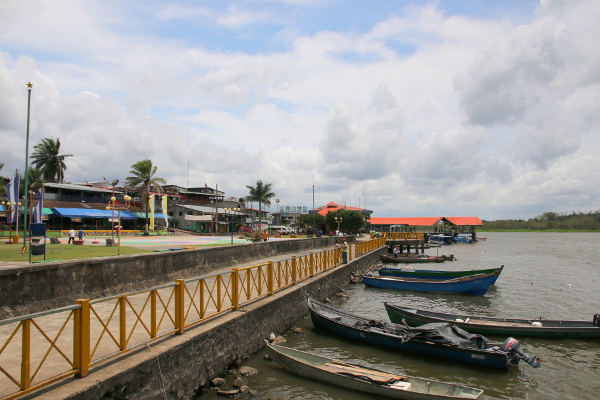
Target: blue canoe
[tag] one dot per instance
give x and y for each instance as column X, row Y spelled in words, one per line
column 435, row 274
column 431, row 340
column 473, row 284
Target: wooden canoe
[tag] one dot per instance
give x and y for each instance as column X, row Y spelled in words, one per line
column 536, row 327
column 409, row 259
column 366, row 379
column 434, row 274
column 362, row 329
column 473, row 284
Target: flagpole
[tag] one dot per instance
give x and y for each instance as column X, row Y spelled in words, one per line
column 29, row 86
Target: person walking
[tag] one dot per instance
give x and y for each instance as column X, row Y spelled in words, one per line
column 344, row 251
column 80, row 234
column 71, row 236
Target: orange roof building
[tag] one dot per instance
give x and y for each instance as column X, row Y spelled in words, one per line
column 331, row 206
column 386, row 223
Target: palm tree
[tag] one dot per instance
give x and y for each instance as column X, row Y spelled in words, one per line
column 46, row 156
column 2, row 185
column 261, row 193
column 142, row 178
column 36, row 180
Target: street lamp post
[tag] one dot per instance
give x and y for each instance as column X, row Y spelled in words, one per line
column 277, row 201
column 230, row 212
column 10, row 208
column 112, row 205
column 338, row 220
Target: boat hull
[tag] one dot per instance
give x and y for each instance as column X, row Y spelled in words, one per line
column 497, row 326
column 431, row 274
column 311, row 366
column 404, row 259
column 475, row 284
column 481, row 357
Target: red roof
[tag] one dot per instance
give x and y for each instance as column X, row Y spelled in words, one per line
column 331, row 206
column 426, row 221
column 470, row 221
column 412, row 221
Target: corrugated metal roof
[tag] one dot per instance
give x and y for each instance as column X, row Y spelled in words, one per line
column 78, row 187
column 468, row 221
column 410, row 221
column 426, row 221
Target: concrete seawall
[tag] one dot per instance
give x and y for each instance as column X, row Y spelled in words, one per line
column 44, row 286
column 178, row 367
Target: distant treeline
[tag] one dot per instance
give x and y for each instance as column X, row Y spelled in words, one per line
column 548, row 221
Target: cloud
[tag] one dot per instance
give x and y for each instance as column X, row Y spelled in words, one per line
column 425, row 112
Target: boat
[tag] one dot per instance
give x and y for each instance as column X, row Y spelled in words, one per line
column 440, row 239
column 366, row 379
column 433, row 274
column 481, row 239
column 464, row 238
column 432, row 340
column 472, row 284
column 409, row 259
column 536, row 327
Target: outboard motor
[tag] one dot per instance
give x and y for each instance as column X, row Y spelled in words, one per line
column 512, row 345
column 596, row 319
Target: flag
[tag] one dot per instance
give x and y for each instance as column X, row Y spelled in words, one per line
column 37, row 214
column 164, row 210
column 13, row 197
column 151, row 200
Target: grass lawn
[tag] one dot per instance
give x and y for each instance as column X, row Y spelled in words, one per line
column 11, row 252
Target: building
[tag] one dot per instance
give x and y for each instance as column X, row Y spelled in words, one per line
column 448, row 225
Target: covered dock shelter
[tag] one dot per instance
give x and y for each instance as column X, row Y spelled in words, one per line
column 445, row 225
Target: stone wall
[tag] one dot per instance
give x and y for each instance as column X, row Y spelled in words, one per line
column 179, row 366
column 45, row 286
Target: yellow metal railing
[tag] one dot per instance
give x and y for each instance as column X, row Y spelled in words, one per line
column 405, row 235
column 39, row 349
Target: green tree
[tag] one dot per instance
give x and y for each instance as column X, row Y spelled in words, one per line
column 307, row 220
column 46, row 156
column 3, row 183
column 35, row 178
column 260, row 193
column 351, row 220
column 142, row 178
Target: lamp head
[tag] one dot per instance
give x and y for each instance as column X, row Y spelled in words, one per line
column 107, row 208
column 113, row 199
column 127, row 198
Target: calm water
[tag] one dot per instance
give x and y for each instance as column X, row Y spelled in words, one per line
column 553, row 275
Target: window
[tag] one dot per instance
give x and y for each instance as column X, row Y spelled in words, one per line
column 180, row 213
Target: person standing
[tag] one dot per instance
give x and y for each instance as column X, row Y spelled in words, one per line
column 71, row 236
column 265, row 235
column 80, row 234
column 344, row 251
column 396, row 251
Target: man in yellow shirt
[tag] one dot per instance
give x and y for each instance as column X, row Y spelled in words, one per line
column 344, row 251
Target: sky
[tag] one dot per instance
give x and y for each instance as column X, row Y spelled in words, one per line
column 408, row 108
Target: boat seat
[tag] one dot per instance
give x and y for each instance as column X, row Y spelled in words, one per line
column 374, row 376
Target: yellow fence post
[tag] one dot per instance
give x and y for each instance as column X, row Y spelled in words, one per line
column 294, row 276
column 350, row 252
column 81, row 340
column 153, row 329
column 235, row 295
column 26, row 355
column 179, row 306
column 311, row 265
column 122, row 324
column 270, row 285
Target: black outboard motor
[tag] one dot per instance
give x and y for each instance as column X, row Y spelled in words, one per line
column 512, row 345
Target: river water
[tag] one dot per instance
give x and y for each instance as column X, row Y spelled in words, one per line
column 553, row 275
